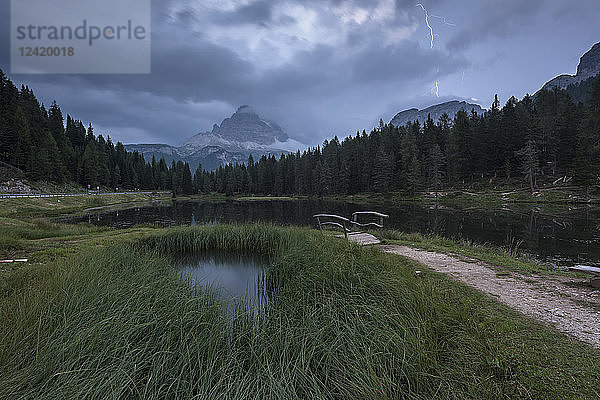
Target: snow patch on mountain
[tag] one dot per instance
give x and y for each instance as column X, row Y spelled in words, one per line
column 232, row 141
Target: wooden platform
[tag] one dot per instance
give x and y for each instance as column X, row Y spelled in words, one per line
column 364, row 239
column 350, row 227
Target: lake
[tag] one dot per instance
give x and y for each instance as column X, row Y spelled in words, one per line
column 570, row 235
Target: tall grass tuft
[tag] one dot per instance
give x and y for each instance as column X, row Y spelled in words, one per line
column 513, row 245
column 343, row 322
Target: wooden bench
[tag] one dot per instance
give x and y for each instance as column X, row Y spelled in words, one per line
column 594, row 280
column 349, row 227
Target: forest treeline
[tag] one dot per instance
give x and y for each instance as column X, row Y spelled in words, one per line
column 548, row 136
column 46, row 147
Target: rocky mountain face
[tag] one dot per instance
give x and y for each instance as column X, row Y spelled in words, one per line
column 589, row 67
column 246, row 126
column 238, row 136
column 436, row 111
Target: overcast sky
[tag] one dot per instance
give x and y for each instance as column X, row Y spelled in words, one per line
column 321, row 67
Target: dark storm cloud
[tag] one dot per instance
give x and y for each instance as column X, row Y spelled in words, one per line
column 186, row 16
column 195, row 69
column 178, row 71
column 4, row 34
column 204, row 66
column 187, row 67
column 405, row 62
column 494, row 19
column 401, row 5
column 258, row 12
column 575, row 12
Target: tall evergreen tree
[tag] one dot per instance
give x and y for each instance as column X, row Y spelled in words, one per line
column 90, row 166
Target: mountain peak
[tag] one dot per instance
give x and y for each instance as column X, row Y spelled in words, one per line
column 589, row 66
column 589, row 63
column 238, row 136
column 245, row 109
column 245, row 125
column 435, row 111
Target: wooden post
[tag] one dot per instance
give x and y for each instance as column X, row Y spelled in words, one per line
column 381, row 228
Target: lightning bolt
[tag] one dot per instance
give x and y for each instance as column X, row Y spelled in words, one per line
column 444, row 21
column 436, row 88
column 427, row 23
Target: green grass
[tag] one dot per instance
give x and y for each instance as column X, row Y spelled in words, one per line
column 266, row 198
column 49, row 187
column 54, row 206
column 513, row 194
column 509, row 257
column 214, row 196
column 34, row 238
column 113, row 321
column 218, row 197
column 20, row 238
column 548, row 199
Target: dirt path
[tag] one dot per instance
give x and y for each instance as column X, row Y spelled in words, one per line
column 557, row 301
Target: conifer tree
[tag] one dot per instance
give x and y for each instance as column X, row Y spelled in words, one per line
column 187, row 185
column 90, row 165
column 383, row 171
column 436, row 164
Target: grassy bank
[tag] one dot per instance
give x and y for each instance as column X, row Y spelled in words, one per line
column 344, row 322
column 217, row 197
column 269, row 198
column 26, row 227
column 40, row 239
column 54, row 206
column 22, row 238
column 547, row 197
column 513, row 196
column 509, row 257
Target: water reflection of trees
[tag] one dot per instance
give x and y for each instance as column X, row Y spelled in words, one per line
column 567, row 232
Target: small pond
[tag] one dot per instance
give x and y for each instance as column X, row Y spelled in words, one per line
column 239, row 279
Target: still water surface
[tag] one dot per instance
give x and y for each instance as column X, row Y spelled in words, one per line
column 239, row 279
column 564, row 237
